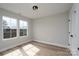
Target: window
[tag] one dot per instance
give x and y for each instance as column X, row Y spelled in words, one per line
column 9, row 27
column 23, row 27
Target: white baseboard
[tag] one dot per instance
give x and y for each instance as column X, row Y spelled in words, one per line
column 51, row 43
column 73, row 52
column 15, row 45
column 32, row 40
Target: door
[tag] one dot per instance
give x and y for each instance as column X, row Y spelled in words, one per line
column 72, row 30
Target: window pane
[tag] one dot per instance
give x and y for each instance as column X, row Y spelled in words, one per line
column 23, row 24
column 6, row 33
column 23, row 32
column 6, row 23
column 13, row 24
column 14, row 32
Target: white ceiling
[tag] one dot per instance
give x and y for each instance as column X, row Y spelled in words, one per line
column 44, row 9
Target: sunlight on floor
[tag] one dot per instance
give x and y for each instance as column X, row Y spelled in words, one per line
column 29, row 50
column 14, row 53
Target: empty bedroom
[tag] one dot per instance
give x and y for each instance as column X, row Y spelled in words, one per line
column 39, row 29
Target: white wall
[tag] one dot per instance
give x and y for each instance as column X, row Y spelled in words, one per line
column 74, row 29
column 53, row 29
column 6, row 44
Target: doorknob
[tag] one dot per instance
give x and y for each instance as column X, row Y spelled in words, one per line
column 71, row 35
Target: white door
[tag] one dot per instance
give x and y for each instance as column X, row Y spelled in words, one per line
column 77, row 28
column 72, row 18
column 74, row 29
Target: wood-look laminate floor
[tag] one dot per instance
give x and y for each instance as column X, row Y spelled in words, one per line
column 36, row 49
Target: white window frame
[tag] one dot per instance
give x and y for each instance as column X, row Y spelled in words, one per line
column 27, row 28
column 3, row 33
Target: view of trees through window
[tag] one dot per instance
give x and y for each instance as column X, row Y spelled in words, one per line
column 23, row 27
column 9, row 27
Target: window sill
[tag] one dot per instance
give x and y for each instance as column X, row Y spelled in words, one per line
column 23, row 36
column 14, row 38
column 10, row 38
